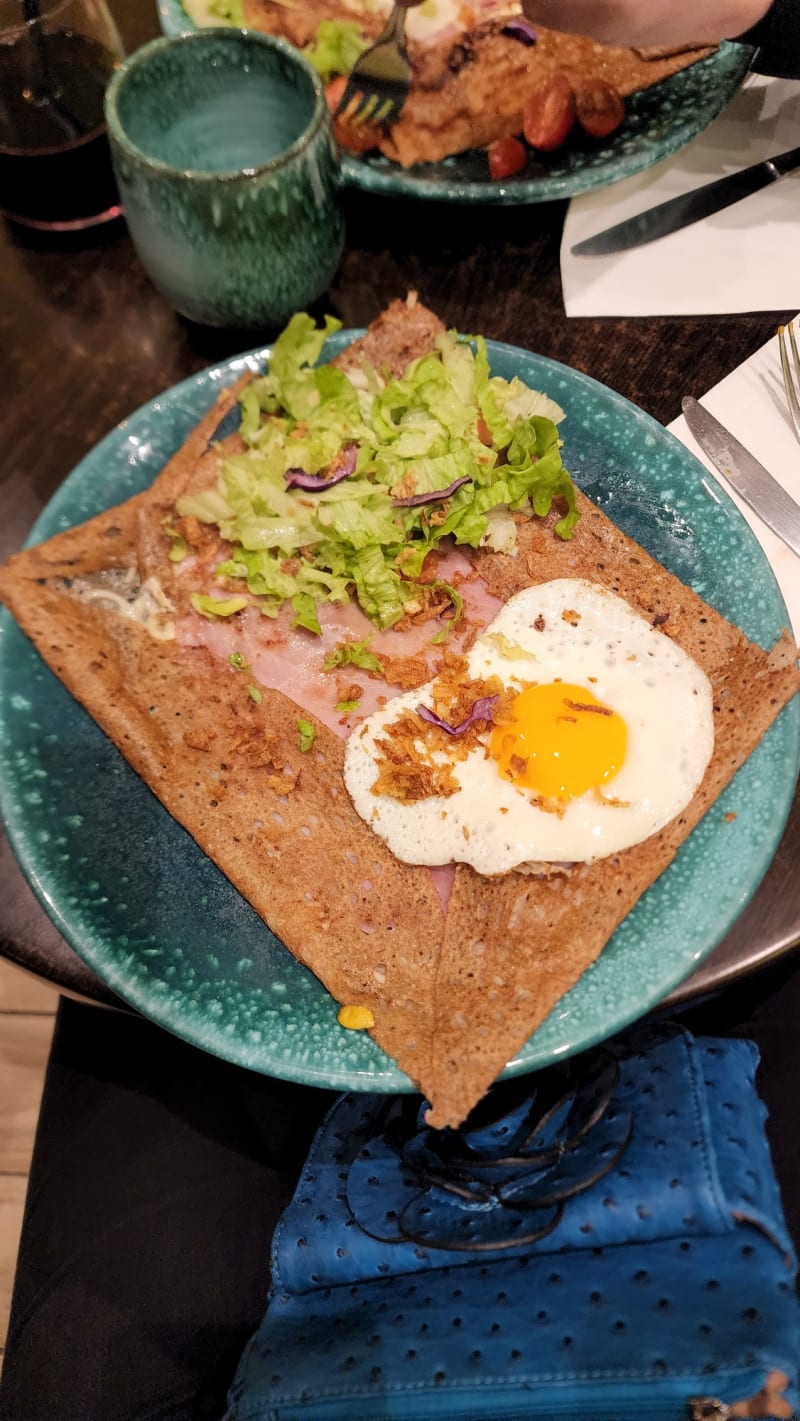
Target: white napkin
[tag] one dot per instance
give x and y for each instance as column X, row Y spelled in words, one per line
column 751, row 403
column 744, row 258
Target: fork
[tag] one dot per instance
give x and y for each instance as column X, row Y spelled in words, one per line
column 791, row 380
column 378, row 84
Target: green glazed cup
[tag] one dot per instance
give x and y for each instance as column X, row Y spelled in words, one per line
column 224, row 155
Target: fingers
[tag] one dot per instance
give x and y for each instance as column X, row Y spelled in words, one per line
column 649, row 22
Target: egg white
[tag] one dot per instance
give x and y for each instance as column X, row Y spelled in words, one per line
column 663, row 696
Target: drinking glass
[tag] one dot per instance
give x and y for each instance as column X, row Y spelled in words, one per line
column 230, row 179
column 56, row 58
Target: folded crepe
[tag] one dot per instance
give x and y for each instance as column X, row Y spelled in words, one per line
column 472, row 78
column 454, row 994
column 478, row 92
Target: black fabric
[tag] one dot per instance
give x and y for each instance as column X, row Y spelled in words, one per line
column 157, row 1178
column 777, row 37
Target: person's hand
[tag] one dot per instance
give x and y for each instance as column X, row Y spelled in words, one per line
column 649, row 22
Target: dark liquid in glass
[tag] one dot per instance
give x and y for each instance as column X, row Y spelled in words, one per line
column 55, row 162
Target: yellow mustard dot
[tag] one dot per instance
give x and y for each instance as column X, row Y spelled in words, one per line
column 355, row 1018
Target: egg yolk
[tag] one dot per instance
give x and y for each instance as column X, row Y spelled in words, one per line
column 560, row 741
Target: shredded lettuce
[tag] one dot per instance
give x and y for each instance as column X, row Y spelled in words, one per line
column 211, row 12
column 458, row 610
column 512, row 650
column 217, row 607
column 179, row 549
column 305, row 613
column 447, row 421
column 230, row 10
column 353, row 653
column 308, row 734
column 338, row 44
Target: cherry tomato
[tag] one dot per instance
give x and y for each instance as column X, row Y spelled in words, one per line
column 355, row 137
column 506, row 157
column 549, row 113
column 600, row 108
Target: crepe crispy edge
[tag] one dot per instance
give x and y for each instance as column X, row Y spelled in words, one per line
column 416, row 1008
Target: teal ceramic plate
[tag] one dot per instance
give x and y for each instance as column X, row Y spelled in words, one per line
column 141, row 903
column 658, row 122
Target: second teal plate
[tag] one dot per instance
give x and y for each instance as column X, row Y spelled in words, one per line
column 658, row 122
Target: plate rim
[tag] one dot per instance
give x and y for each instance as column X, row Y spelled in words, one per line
column 390, row 1079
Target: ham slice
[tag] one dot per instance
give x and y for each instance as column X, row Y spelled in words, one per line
column 292, row 660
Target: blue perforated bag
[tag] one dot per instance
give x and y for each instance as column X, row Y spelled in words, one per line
column 608, row 1245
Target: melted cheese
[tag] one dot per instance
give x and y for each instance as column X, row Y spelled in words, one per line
column 121, row 592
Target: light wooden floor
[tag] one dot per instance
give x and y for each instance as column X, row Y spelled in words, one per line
column 27, row 1009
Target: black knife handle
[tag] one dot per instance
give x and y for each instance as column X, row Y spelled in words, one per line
column 784, row 162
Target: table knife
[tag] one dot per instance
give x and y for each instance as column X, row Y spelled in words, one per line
column 743, row 472
column 687, row 208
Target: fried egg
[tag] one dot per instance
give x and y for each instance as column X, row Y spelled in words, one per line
column 599, row 734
